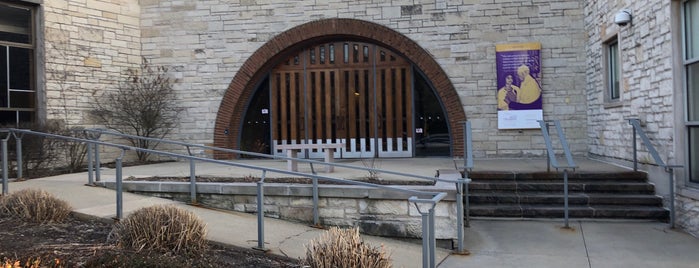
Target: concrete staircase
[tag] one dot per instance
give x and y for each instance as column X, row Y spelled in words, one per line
column 625, row 195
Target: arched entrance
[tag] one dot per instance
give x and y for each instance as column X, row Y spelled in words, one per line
column 355, row 93
column 266, row 65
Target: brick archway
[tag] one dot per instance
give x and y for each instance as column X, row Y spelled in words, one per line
column 254, row 70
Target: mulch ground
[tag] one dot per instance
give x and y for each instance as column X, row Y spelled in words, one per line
column 85, row 243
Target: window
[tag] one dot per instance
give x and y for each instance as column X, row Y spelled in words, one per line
column 690, row 22
column 613, row 71
column 17, row 86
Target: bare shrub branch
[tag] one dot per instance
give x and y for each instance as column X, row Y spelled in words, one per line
column 34, row 206
column 144, row 105
column 344, row 248
column 164, row 228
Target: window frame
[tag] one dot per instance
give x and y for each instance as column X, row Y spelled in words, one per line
column 33, row 71
column 690, row 123
column 612, row 89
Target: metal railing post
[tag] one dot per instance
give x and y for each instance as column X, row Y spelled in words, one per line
column 635, row 150
column 20, row 164
column 90, row 175
column 316, row 216
column 467, row 213
column 565, row 196
column 425, row 239
column 192, row 182
column 672, row 196
column 468, row 150
column 93, row 163
column 261, row 213
column 551, row 155
column 97, row 162
column 119, row 190
column 463, row 189
column 460, row 215
column 5, row 189
column 636, row 125
column 433, row 240
column 564, row 143
column 548, row 152
column 192, row 179
column 428, row 233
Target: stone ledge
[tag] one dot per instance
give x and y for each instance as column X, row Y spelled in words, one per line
column 375, row 211
column 301, row 190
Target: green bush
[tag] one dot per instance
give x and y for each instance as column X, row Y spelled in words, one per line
column 34, row 206
column 162, row 228
column 344, row 248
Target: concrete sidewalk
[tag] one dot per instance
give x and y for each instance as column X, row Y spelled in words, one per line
column 506, row 243
column 492, row 243
column 234, row 228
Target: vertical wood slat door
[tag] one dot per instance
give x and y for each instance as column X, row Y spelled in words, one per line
column 394, row 102
column 344, row 92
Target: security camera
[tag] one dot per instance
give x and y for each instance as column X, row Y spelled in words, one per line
column 623, row 17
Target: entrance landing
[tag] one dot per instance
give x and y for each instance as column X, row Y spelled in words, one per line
column 418, row 166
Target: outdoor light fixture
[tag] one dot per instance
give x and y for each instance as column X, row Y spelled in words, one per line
column 623, row 17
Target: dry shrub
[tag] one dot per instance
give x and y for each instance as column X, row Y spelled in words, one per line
column 344, row 248
column 162, row 228
column 34, row 206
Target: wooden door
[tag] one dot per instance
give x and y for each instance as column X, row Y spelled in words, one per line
column 344, row 92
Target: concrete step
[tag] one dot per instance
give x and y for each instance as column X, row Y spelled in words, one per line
column 510, row 176
column 575, row 211
column 586, row 187
column 623, row 195
column 573, row 199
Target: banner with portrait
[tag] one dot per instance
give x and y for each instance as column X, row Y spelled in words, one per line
column 519, row 85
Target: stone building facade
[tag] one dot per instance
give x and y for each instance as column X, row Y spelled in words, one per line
column 655, row 86
column 221, row 51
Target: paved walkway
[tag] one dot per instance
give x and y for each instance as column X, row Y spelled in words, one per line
column 492, row 243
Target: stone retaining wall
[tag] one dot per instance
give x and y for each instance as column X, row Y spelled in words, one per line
column 375, row 211
column 687, row 214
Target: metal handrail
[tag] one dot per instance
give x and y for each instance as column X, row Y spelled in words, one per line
column 551, row 155
column 222, row 162
column 670, row 169
column 463, row 210
column 427, row 197
column 270, row 156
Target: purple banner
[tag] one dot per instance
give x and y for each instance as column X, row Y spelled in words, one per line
column 519, row 85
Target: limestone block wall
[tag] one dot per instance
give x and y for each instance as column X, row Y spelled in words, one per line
column 688, row 214
column 651, row 90
column 88, row 45
column 646, row 83
column 207, row 42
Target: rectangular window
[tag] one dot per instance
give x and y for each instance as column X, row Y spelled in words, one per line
column 16, row 24
column 690, row 24
column 613, row 70
column 692, row 73
column 17, row 86
column 693, row 149
column 691, row 27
